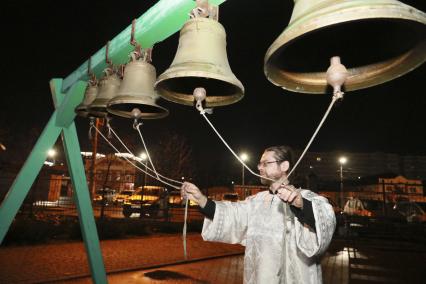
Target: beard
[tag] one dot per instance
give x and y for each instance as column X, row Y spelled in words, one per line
column 265, row 181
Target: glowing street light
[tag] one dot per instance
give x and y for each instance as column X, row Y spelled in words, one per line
column 244, row 157
column 143, row 156
column 51, row 153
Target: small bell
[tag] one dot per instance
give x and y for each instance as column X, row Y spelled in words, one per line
column 200, row 61
column 137, row 91
column 108, row 88
column 89, row 97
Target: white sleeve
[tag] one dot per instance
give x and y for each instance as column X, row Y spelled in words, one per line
column 229, row 224
column 316, row 243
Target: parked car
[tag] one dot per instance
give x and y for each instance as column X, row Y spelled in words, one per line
column 355, row 207
column 105, row 194
column 374, row 210
column 411, row 211
column 153, row 208
column 122, row 196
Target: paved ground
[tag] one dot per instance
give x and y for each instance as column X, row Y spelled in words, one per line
column 159, row 259
column 41, row 263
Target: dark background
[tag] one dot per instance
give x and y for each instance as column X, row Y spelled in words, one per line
column 44, row 39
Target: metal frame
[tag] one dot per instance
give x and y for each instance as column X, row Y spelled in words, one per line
column 158, row 23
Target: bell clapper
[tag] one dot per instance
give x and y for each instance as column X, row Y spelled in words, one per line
column 336, row 76
column 108, row 125
column 92, row 125
column 199, row 97
column 136, row 115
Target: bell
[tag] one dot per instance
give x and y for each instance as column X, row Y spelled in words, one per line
column 200, row 61
column 108, row 88
column 137, row 92
column 378, row 39
column 89, row 97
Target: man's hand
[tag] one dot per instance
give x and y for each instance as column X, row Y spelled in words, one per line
column 289, row 194
column 192, row 192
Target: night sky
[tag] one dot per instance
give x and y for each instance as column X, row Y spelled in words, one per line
column 43, row 40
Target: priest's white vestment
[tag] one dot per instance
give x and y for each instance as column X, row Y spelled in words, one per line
column 278, row 248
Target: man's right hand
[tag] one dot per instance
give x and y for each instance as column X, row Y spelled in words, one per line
column 192, row 192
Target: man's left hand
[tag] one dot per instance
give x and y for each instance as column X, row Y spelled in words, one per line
column 289, row 194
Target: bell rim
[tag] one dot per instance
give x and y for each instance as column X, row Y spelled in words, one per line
column 98, row 114
column 144, row 115
column 127, row 99
column 315, row 82
column 81, row 110
column 188, row 99
column 99, row 103
column 134, row 97
column 197, row 74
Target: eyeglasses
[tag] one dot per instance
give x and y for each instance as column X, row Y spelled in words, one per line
column 264, row 164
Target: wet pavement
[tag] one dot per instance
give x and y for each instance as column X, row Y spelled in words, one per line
column 159, row 259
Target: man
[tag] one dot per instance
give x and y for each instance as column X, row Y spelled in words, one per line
column 284, row 230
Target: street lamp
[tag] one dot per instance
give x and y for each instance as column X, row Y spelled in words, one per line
column 244, row 157
column 51, row 153
column 342, row 161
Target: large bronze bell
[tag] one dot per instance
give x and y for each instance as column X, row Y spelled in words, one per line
column 378, row 40
column 200, row 61
column 108, row 88
column 137, row 92
column 89, row 97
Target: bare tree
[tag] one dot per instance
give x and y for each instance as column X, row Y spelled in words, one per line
column 174, row 157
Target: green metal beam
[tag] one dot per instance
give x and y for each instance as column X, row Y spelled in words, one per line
column 84, row 205
column 65, row 105
column 158, row 23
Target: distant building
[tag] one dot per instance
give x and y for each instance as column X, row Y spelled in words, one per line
column 111, row 171
column 390, row 188
column 325, row 165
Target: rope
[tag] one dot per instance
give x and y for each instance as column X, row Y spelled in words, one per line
column 336, row 96
column 185, row 254
column 137, row 128
column 148, row 168
column 154, row 177
column 200, row 95
column 230, row 149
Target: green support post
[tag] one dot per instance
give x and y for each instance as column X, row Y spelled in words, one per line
column 23, row 181
column 59, row 122
column 65, row 106
column 84, row 205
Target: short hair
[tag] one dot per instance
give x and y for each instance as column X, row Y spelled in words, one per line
column 282, row 153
